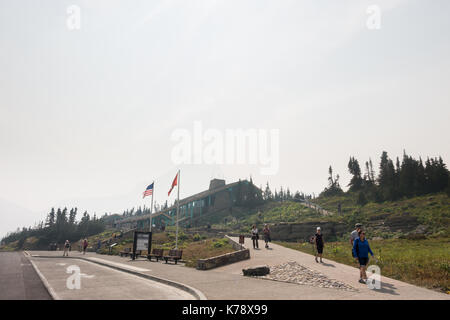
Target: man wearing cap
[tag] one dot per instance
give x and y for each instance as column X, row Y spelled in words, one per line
column 355, row 234
column 319, row 244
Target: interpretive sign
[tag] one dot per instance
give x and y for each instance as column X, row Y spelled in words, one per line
column 142, row 242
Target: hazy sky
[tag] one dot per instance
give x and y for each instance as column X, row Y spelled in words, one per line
column 87, row 115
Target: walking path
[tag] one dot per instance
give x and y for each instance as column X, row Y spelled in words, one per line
column 278, row 255
column 329, row 281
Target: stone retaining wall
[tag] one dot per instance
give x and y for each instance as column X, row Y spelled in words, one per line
column 240, row 254
column 236, row 245
column 214, row 262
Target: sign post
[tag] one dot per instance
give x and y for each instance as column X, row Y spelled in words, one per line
column 142, row 241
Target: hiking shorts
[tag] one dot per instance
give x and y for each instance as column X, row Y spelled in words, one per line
column 319, row 249
column 363, row 261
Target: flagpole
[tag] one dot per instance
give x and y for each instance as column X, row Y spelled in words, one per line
column 151, row 208
column 178, row 209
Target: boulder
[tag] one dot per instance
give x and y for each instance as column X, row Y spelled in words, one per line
column 256, row 271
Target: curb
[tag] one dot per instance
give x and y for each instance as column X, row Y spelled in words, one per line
column 195, row 292
column 47, row 286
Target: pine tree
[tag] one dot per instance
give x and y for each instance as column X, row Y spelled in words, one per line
column 267, row 193
column 72, row 216
column 356, row 182
column 386, row 178
column 51, row 218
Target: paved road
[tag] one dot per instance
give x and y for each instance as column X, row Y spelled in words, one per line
column 97, row 282
column 19, row 280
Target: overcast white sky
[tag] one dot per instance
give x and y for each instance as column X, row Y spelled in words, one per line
column 86, row 116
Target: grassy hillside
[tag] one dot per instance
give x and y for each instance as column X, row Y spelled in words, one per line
column 241, row 219
column 428, row 215
column 421, row 262
column 417, row 217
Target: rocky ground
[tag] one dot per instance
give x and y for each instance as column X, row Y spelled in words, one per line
column 295, row 273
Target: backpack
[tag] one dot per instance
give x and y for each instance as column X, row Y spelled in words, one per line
column 357, row 247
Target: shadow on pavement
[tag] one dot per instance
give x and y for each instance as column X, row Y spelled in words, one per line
column 328, row 264
column 387, row 288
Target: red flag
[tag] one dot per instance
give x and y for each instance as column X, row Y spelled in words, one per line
column 174, row 183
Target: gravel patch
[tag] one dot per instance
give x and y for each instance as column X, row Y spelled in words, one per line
column 293, row 272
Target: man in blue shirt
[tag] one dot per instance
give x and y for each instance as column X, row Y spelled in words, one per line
column 361, row 250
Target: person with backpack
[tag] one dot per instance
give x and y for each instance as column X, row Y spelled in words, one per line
column 266, row 232
column 355, row 234
column 361, row 250
column 66, row 248
column 255, row 237
column 318, row 239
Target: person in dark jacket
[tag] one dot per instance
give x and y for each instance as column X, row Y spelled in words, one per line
column 318, row 239
column 85, row 245
column 361, row 250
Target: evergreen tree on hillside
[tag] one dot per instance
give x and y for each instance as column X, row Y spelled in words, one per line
column 372, row 172
column 51, row 218
column 281, row 194
column 72, row 216
column 356, row 183
column 334, row 187
column 288, row 194
column 387, row 178
column 298, row 196
column 267, row 193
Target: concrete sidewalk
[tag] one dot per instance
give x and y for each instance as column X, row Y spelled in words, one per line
column 228, row 282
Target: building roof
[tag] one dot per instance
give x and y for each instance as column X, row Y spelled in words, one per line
column 195, row 197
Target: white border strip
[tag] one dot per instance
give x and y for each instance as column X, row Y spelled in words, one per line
column 45, row 282
column 117, row 264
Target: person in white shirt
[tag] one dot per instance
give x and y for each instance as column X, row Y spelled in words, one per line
column 255, row 237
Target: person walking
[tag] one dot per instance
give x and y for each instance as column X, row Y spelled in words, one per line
column 318, row 239
column 255, row 237
column 266, row 232
column 355, row 234
column 66, row 248
column 85, row 245
column 361, row 250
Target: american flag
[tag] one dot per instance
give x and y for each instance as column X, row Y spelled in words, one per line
column 148, row 191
